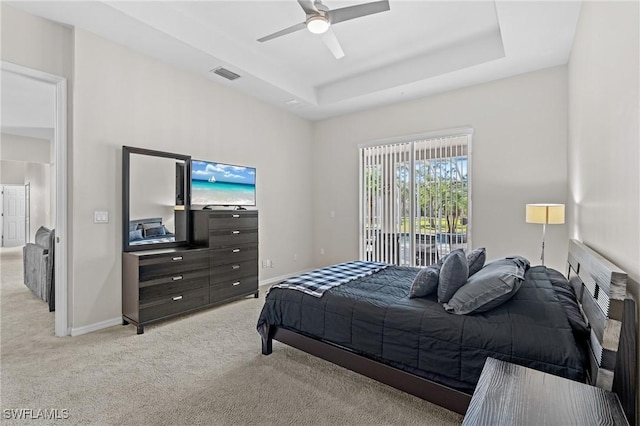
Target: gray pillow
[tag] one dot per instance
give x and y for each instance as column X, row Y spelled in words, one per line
column 135, row 235
column 490, row 287
column 453, row 275
column 148, row 225
column 476, row 259
column 43, row 237
column 157, row 231
column 426, row 282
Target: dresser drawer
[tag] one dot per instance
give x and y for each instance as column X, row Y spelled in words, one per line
column 226, row 255
column 171, row 305
column 173, row 288
column 176, row 277
column 171, row 264
column 233, row 220
column 233, row 288
column 233, row 271
column 232, row 237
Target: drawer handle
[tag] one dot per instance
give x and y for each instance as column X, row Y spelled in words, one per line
column 235, row 267
column 177, row 258
column 235, row 232
column 176, row 298
column 235, row 215
column 178, row 278
column 236, row 283
column 235, row 251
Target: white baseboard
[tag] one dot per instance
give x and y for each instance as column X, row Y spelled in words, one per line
column 95, row 327
column 274, row 280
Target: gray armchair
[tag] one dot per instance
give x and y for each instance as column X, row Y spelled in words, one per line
column 38, row 258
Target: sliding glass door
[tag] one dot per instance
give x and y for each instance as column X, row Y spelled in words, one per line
column 414, row 199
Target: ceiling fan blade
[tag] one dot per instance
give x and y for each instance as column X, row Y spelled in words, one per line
column 291, row 29
column 329, row 38
column 346, row 13
column 308, row 7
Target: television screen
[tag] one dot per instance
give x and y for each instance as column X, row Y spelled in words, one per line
column 221, row 184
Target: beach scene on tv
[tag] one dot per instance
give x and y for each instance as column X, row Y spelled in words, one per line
column 222, row 184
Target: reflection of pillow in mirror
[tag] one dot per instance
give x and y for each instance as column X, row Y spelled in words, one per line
column 158, row 231
column 148, row 225
column 135, row 235
column 133, row 226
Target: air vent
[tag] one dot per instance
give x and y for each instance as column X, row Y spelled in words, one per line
column 223, row 72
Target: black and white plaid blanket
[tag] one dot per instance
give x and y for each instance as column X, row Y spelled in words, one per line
column 318, row 281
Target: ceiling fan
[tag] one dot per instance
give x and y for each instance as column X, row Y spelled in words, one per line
column 319, row 20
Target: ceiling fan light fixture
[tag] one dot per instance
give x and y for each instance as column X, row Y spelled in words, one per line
column 317, row 24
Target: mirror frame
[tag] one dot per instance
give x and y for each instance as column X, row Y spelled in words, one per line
column 126, row 192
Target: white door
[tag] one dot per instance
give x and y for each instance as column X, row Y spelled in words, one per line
column 13, row 215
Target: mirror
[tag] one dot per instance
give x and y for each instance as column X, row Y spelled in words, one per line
column 154, row 194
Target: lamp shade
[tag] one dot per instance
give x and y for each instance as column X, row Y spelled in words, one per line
column 551, row 214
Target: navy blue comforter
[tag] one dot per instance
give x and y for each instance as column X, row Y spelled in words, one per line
column 375, row 317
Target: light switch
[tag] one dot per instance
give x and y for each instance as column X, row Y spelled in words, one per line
column 100, row 217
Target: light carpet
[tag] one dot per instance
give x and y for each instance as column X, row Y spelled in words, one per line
column 201, row 369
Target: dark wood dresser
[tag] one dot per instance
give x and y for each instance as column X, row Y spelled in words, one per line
column 231, row 237
column 158, row 284
column 220, row 266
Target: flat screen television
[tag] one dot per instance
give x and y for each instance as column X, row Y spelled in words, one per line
column 219, row 184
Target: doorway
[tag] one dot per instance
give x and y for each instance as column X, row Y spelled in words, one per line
column 58, row 173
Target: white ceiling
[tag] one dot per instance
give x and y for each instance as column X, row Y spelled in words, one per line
column 415, row 49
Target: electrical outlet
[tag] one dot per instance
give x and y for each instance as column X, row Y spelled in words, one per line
column 270, row 263
column 321, row 251
column 265, row 264
column 295, row 257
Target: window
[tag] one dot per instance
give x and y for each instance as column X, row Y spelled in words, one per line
column 414, row 198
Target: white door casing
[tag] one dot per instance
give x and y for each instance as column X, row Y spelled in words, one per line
column 60, row 185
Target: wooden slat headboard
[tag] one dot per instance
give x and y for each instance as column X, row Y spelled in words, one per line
column 601, row 289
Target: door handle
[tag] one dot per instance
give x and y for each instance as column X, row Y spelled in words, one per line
column 236, row 283
column 235, row 232
column 235, row 251
column 175, row 299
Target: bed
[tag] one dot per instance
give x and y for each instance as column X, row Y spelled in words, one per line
column 149, row 231
column 369, row 325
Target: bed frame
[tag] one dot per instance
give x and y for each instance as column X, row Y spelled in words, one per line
column 600, row 287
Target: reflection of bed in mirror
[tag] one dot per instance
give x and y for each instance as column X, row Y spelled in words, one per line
column 154, row 189
column 149, row 231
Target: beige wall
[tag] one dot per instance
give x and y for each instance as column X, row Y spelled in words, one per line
column 519, row 157
column 125, row 98
column 604, row 135
column 38, row 177
column 36, row 43
column 21, row 148
column 12, row 172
